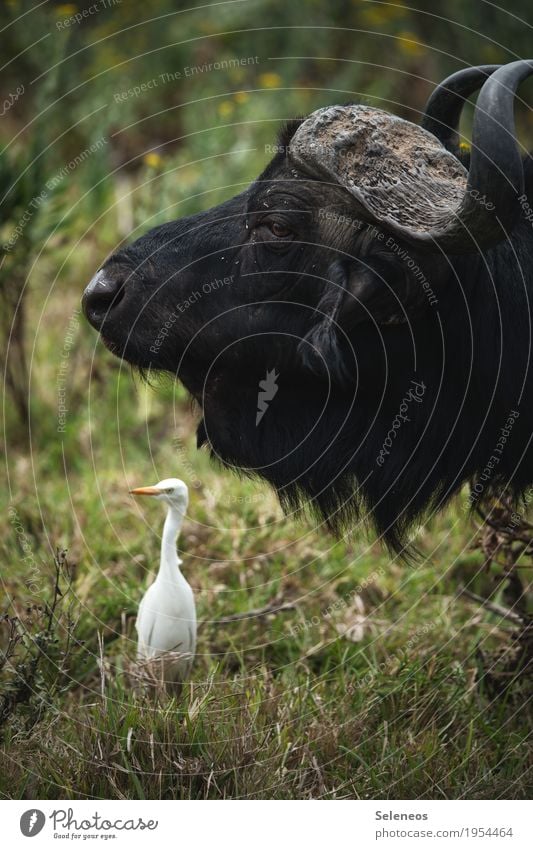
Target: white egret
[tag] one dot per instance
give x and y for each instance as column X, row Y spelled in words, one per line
column 166, row 621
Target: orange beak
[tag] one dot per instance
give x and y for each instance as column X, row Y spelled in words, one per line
column 145, row 490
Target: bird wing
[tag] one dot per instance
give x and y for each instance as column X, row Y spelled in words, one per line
column 165, row 623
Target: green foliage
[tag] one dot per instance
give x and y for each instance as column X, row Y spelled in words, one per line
column 371, row 680
column 369, row 684
column 36, row 655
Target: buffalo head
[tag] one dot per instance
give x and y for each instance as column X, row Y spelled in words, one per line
column 326, row 318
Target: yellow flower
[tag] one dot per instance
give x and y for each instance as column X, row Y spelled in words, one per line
column 241, row 96
column 153, row 160
column 382, row 14
column 66, row 9
column 407, row 42
column 270, row 80
column 464, row 147
column 225, row 108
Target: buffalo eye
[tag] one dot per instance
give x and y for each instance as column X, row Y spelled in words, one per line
column 273, row 231
column 278, row 230
column 275, row 235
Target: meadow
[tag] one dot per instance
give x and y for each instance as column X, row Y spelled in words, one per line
column 325, row 668
column 371, row 681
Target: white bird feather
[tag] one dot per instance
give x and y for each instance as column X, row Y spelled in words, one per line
column 166, row 619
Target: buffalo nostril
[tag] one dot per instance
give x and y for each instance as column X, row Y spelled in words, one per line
column 104, row 293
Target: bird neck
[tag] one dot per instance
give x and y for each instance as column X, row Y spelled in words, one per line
column 169, row 568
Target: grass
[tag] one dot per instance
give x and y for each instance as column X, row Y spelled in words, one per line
column 372, row 682
column 368, row 686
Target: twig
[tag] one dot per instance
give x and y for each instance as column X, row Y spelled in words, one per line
column 274, row 606
column 493, row 607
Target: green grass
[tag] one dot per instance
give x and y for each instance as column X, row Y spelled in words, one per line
column 289, row 705
column 369, row 685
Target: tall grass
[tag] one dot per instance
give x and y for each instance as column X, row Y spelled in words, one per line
column 375, row 679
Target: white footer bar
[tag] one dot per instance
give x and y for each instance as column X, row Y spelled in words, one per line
column 269, row 825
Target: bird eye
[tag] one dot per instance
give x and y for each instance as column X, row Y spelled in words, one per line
column 169, row 491
column 278, row 230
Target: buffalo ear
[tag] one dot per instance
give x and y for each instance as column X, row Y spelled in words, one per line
column 322, row 348
column 365, row 295
column 379, row 290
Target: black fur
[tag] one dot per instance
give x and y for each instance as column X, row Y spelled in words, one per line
column 314, row 308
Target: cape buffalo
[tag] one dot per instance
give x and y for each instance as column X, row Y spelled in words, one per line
column 356, row 324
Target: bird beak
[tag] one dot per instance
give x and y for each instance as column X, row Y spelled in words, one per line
column 145, row 490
